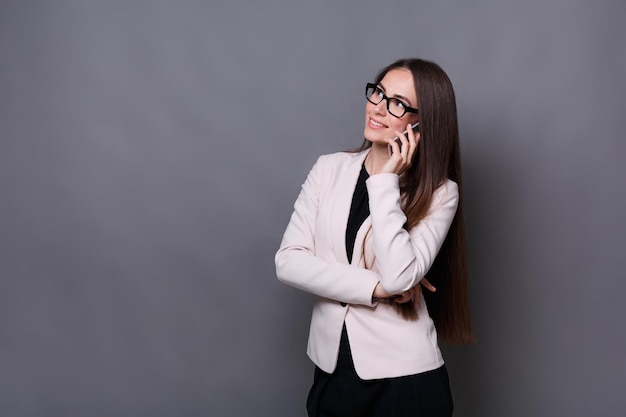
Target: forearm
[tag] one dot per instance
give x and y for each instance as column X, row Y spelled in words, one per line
column 404, row 257
column 333, row 280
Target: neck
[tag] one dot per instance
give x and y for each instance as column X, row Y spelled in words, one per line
column 377, row 157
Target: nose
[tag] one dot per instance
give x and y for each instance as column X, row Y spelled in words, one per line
column 381, row 108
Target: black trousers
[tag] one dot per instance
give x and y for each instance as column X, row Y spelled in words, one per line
column 344, row 394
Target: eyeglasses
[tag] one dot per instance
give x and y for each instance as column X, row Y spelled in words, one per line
column 395, row 107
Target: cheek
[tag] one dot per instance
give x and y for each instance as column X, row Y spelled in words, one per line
column 399, row 125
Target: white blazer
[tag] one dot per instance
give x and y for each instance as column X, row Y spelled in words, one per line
column 312, row 257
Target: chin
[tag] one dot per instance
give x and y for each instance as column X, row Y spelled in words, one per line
column 377, row 142
column 372, row 137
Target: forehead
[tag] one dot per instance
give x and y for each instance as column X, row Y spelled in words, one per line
column 399, row 82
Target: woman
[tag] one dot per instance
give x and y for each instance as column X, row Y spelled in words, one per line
column 369, row 229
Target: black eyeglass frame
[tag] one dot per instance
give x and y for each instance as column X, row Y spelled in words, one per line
column 374, row 87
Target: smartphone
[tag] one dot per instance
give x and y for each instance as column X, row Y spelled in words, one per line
column 414, row 127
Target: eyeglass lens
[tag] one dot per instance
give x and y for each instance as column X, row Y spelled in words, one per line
column 394, row 106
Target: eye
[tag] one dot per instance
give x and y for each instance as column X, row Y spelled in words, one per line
column 378, row 92
column 397, row 103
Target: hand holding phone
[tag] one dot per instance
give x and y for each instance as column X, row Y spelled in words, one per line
column 414, row 127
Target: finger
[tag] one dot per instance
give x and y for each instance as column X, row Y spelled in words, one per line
column 413, row 141
column 426, row 284
column 417, row 136
column 394, row 145
column 403, row 298
column 405, row 144
column 410, row 132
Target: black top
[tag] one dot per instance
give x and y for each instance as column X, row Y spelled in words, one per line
column 359, row 210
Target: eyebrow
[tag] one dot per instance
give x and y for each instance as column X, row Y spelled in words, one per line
column 382, row 87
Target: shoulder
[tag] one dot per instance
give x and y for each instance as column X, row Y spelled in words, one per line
column 446, row 194
column 338, row 160
column 448, row 187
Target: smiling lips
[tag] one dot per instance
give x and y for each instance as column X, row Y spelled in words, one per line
column 376, row 124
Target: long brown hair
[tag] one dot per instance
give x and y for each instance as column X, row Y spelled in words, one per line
column 437, row 159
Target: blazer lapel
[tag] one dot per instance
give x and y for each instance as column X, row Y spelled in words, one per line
column 346, row 183
column 359, row 256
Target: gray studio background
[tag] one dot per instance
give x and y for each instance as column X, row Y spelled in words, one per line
column 151, row 152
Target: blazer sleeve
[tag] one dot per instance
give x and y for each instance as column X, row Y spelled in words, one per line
column 404, row 257
column 297, row 262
